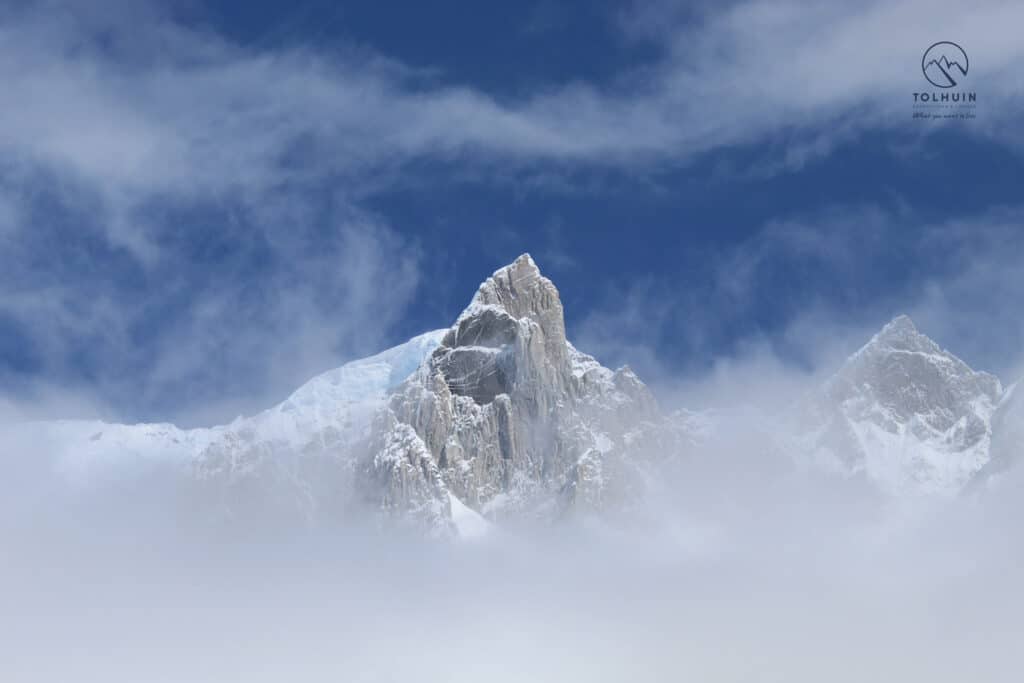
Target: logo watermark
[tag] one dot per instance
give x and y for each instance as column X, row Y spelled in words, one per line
column 945, row 66
column 944, row 63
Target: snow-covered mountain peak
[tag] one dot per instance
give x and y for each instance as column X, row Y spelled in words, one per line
column 901, row 333
column 909, row 373
column 907, row 413
column 497, row 416
column 510, row 418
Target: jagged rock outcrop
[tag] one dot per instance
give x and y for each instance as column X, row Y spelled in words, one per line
column 400, row 478
column 903, row 412
column 516, row 419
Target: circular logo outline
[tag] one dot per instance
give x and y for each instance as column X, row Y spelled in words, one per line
column 925, row 62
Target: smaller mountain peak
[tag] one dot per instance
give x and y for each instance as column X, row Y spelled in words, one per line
column 901, row 343
column 900, row 325
column 900, row 334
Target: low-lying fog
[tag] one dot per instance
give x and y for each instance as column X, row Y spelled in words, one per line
column 746, row 569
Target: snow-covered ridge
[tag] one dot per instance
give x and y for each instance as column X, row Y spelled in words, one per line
column 342, row 399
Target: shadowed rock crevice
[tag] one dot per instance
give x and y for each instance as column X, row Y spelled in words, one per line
column 479, row 373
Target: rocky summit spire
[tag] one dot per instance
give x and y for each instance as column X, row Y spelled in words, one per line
column 518, row 288
column 512, row 333
column 514, row 418
column 520, row 291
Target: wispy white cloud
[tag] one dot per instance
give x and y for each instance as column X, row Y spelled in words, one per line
column 127, row 118
column 190, row 111
column 135, row 105
column 199, row 348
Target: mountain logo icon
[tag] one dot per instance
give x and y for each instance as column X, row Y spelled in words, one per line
column 944, row 64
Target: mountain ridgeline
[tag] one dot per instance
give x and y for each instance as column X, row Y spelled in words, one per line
column 499, row 419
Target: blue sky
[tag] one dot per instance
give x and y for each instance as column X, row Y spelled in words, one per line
column 204, row 203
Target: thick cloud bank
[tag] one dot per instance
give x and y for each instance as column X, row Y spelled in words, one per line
column 745, row 568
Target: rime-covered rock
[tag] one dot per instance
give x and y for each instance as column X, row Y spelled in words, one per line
column 905, row 413
column 1007, row 435
column 518, row 421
